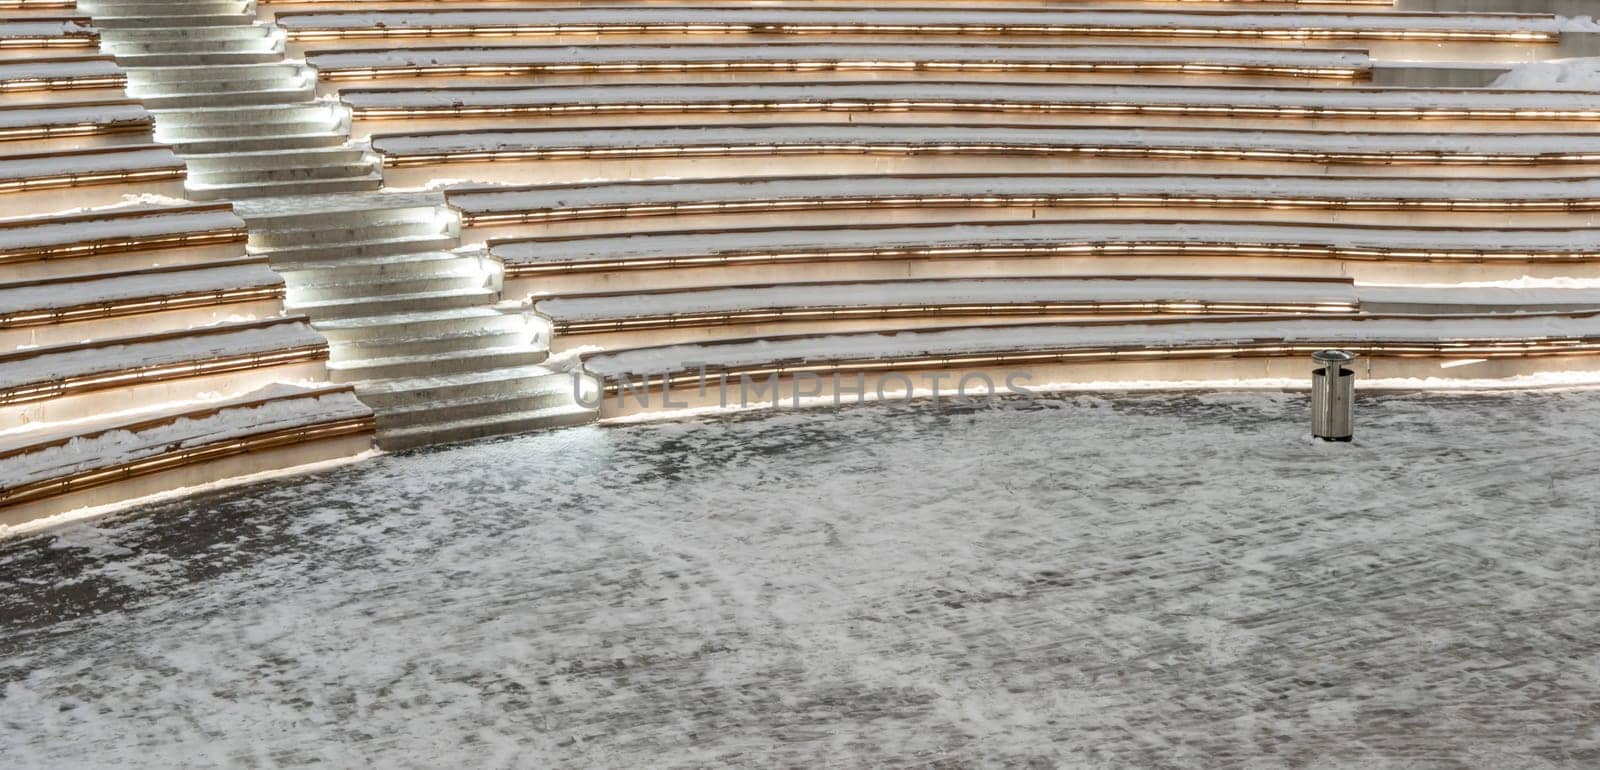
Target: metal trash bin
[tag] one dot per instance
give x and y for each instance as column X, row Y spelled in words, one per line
column 1333, row 391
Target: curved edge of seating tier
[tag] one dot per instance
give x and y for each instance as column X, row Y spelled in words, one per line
column 1019, row 22
column 605, row 312
column 49, row 181
column 402, row 150
column 122, row 460
column 67, row 304
column 115, row 230
column 1040, row 238
column 1392, row 346
column 120, row 363
column 29, row 125
column 62, row 73
column 491, row 206
column 63, row 31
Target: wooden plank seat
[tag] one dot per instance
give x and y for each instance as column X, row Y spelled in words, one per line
column 97, row 463
column 1263, row 105
column 67, row 309
column 1149, row 23
column 42, row 182
column 1390, row 253
column 41, row 32
column 625, row 202
column 1151, row 350
column 848, row 148
column 634, row 318
column 89, row 242
column 26, row 128
column 545, row 61
column 66, row 382
column 61, row 73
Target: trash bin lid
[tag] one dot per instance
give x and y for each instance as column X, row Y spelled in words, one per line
column 1333, row 356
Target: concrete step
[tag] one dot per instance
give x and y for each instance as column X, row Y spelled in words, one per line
column 385, row 304
column 365, row 268
column 239, row 162
column 259, row 176
column 484, row 427
column 553, row 394
column 419, row 324
column 420, row 391
column 467, row 276
column 268, row 143
column 443, row 363
column 392, row 347
column 429, row 223
column 170, row 21
column 125, row 8
column 212, row 192
column 292, row 92
column 300, row 225
column 217, row 58
column 186, row 34
column 294, row 258
column 239, row 75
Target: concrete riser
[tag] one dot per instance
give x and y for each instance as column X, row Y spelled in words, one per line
column 513, row 387
column 315, row 187
column 417, row 285
column 273, row 226
column 166, row 22
column 255, row 144
column 423, row 328
column 436, row 367
column 362, row 271
column 380, row 305
column 356, row 350
column 412, row 418
column 366, row 232
column 266, row 176
column 289, row 96
column 451, row 435
column 345, row 251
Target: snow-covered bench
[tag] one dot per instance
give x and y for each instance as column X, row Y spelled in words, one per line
column 651, row 316
column 114, row 239
column 1244, row 107
column 40, row 182
column 62, row 73
column 124, row 458
column 724, row 150
column 68, row 382
column 1413, row 347
column 68, row 309
column 38, row 127
column 633, row 61
column 1226, row 24
column 623, row 202
column 687, row 258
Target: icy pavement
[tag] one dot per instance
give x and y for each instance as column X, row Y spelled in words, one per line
column 1144, row 581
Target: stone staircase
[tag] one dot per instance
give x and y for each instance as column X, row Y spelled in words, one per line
column 417, row 326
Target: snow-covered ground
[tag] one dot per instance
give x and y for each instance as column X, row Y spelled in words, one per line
column 1091, row 582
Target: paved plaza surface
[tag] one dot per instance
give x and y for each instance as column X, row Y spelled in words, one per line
column 1151, row 580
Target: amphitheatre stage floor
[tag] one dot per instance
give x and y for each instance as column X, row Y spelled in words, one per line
column 1087, row 581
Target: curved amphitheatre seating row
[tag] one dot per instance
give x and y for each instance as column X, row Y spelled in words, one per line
column 746, row 60
column 141, row 349
column 1209, row 348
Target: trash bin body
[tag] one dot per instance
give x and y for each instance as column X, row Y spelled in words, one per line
column 1333, row 386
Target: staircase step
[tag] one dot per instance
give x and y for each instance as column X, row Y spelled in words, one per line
column 214, row 192
column 455, row 321
column 374, row 267
column 186, row 33
column 485, row 427
column 260, row 143
column 171, row 21
column 433, row 224
column 302, row 91
column 443, row 363
column 296, row 257
column 555, row 394
column 383, row 304
column 392, row 347
column 418, row 391
column 402, row 285
column 218, row 58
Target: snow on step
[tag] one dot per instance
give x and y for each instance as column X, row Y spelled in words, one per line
column 15, row 32
column 827, row 138
column 84, row 165
column 1336, row 295
column 1248, row 101
column 1333, row 331
column 701, row 196
column 664, row 249
column 72, row 117
column 16, row 299
column 60, row 72
column 640, row 20
column 117, row 223
column 882, row 56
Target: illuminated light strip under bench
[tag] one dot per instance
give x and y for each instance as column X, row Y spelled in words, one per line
column 1039, row 239
column 60, row 74
column 441, row 61
column 631, row 143
column 487, row 207
column 1253, row 102
column 39, row 374
column 121, row 164
column 109, row 231
column 1216, row 24
column 623, row 311
column 66, row 32
column 1066, row 342
column 141, row 446
column 136, row 292
column 47, row 121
